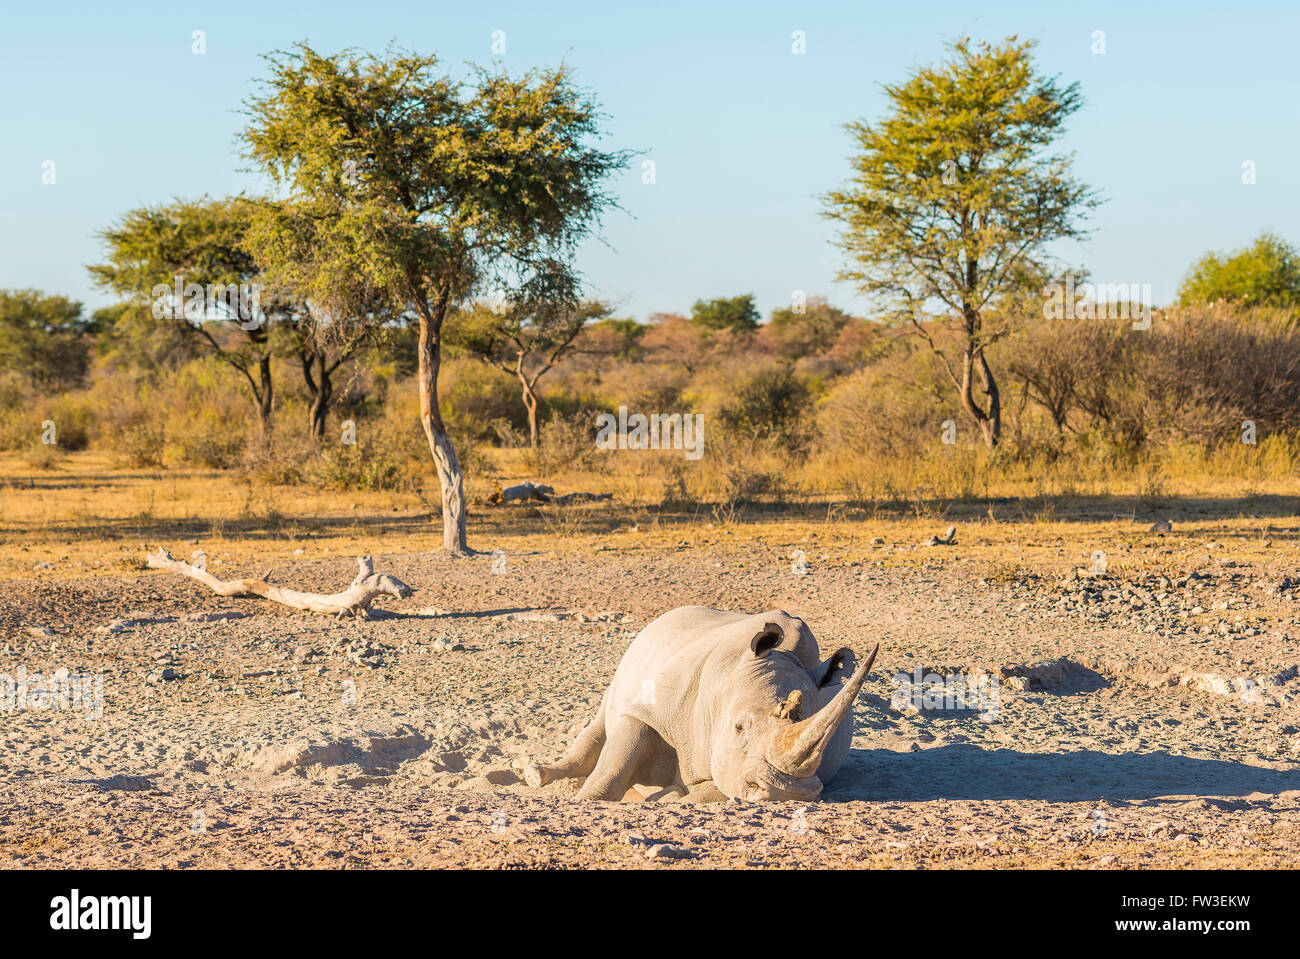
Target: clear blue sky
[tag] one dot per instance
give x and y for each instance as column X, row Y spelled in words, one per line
column 745, row 135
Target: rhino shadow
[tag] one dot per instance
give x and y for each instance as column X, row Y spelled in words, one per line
column 967, row 771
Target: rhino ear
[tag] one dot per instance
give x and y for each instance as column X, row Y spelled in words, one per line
column 835, row 669
column 770, row 637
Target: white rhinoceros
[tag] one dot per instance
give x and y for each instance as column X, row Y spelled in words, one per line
column 708, row 705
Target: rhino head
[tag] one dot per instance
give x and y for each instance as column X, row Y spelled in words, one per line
column 778, row 717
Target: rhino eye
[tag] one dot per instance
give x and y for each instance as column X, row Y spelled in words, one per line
column 740, row 728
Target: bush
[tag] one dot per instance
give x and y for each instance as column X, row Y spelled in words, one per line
column 140, row 446
column 895, row 408
column 480, row 402
column 769, row 406
column 363, row 468
column 1196, row 375
column 566, row 444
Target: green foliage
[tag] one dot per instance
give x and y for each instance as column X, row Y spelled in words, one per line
column 726, row 313
column 200, row 241
column 1266, row 273
column 769, row 405
column 44, row 338
column 813, row 330
column 406, row 186
column 953, row 189
column 955, row 197
column 224, row 303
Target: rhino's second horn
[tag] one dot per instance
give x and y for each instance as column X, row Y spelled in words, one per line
column 798, row 750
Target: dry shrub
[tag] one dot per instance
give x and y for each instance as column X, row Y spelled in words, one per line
column 896, row 408
column 768, row 406
column 1195, row 375
column 478, row 402
column 568, row 444
column 141, row 446
column 677, row 485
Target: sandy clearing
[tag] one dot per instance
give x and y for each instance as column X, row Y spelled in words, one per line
column 304, row 734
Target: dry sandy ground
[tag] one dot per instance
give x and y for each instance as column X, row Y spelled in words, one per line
column 1145, row 717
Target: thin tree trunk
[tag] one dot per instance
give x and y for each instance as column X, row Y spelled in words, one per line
column 450, row 477
column 992, row 426
column 530, row 403
column 266, row 394
column 308, row 360
column 320, row 405
column 320, row 388
column 972, row 358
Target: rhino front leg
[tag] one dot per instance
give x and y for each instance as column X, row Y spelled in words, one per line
column 704, row 792
column 579, row 761
column 631, row 744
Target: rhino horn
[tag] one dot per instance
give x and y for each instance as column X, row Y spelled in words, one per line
column 798, row 750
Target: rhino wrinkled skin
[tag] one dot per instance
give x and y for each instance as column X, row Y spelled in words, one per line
column 707, row 705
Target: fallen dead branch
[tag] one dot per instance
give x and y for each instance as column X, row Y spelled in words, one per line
column 355, row 600
column 947, row 539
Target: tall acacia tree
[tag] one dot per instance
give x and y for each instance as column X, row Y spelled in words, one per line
column 955, row 197
column 424, row 190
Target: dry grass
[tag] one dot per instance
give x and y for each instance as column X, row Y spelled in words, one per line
column 85, row 515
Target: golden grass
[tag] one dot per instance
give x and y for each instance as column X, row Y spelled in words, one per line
column 84, row 516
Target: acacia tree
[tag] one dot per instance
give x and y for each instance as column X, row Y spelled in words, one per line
column 526, row 340
column 955, row 197
column 199, row 244
column 325, row 345
column 810, row 331
column 424, row 190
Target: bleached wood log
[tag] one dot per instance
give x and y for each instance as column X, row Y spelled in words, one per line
column 545, row 494
column 524, row 491
column 355, row 600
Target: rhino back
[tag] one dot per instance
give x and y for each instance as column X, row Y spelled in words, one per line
column 662, row 665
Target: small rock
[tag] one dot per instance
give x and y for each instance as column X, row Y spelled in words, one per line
column 665, row 850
